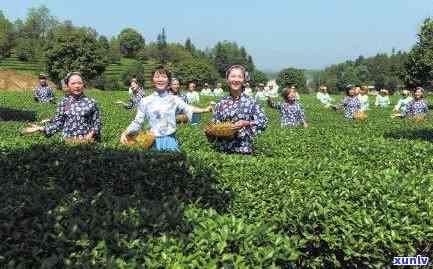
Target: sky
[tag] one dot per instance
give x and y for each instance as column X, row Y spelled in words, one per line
column 310, row 34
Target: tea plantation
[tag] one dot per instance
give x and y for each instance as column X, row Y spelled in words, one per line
column 336, row 195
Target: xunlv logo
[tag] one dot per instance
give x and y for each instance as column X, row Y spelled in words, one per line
column 418, row 260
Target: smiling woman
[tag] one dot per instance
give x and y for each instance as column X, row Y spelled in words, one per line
column 246, row 115
column 77, row 115
column 160, row 109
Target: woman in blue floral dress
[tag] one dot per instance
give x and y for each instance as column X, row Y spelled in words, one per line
column 292, row 112
column 241, row 110
column 136, row 94
column 418, row 106
column 43, row 93
column 350, row 104
column 77, row 115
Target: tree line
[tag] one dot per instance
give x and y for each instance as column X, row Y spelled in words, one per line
column 392, row 71
column 62, row 47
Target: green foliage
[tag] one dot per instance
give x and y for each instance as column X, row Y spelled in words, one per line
column 161, row 40
column 322, row 197
column 172, row 53
column 105, row 82
column 14, row 63
column 114, row 54
column 257, row 77
column 419, row 65
column 104, row 43
column 134, row 71
column 162, row 54
column 381, row 71
column 6, row 36
column 114, row 72
column 131, row 42
column 292, row 76
column 189, row 46
column 41, row 38
column 75, row 49
column 26, row 50
column 38, row 24
column 223, row 241
column 348, row 76
column 226, row 53
column 200, row 70
column 34, row 34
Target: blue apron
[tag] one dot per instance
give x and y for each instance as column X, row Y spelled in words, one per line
column 166, row 143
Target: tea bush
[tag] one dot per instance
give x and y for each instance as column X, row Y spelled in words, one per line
column 336, row 195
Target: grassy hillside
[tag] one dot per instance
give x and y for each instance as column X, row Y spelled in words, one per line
column 13, row 63
column 113, row 70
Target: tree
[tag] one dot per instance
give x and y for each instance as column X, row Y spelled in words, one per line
column 103, row 42
column 176, row 53
column 291, row 76
column 162, row 40
column 419, row 65
column 250, row 63
column 25, row 50
column 114, row 54
column 362, row 74
column 382, row 70
column 131, row 42
column 39, row 23
column 379, row 68
column 257, row 77
column 200, row 70
column 136, row 71
column 172, row 53
column 6, row 36
column 189, row 46
column 381, row 82
column 76, row 50
column 162, row 47
column 347, row 77
column 227, row 53
column 392, row 83
column 33, row 35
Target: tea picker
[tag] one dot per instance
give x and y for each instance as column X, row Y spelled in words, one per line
column 77, row 115
column 237, row 118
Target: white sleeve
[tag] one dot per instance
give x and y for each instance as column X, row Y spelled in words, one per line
column 137, row 123
column 184, row 107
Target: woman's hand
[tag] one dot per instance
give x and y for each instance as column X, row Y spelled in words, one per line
column 32, row 129
column 305, row 124
column 124, row 137
column 241, row 123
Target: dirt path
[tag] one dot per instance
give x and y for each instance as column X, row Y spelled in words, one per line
column 12, row 80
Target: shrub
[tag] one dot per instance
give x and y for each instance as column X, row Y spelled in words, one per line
column 322, row 197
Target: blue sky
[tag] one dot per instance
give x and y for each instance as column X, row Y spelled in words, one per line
column 277, row 33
